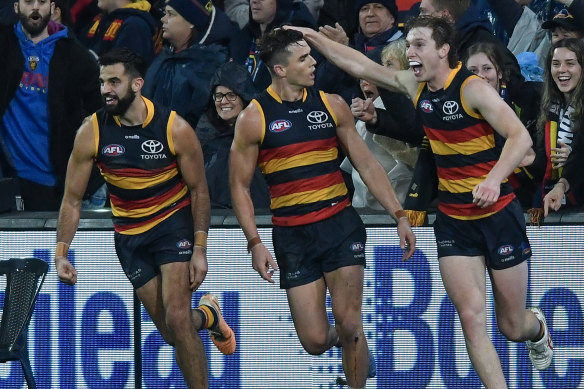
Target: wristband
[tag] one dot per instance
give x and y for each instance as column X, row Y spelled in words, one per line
column 201, row 239
column 399, row 214
column 253, row 242
column 62, row 249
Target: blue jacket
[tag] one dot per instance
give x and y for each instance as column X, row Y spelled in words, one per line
column 73, row 93
column 180, row 81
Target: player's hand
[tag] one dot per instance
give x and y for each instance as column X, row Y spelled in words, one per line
column 486, row 193
column 407, row 239
column 65, row 270
column 553, row 200
column 263, row 263
column 198, row 267
column 363, row 110
column 560, row 155
column 336, row 33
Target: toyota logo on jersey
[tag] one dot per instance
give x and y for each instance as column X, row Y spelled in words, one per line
column 152, row 146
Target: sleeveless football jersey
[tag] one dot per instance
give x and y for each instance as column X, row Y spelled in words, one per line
column 464, row 147
column 140, row 169
column 299, row 157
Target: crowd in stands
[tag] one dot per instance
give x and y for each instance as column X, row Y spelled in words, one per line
column 204, row 64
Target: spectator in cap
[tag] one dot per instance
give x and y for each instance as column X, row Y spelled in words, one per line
column 198, row 39
column 562, row 26
column 121, row 23
column 527, row 32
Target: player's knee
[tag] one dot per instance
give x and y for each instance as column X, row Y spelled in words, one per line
column 472, row 324
column 510, row 330
column 315, row 345
column 168, row 339
column 177, row 321
column 349, row 330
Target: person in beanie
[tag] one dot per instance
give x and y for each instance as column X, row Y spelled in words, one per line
column 198, row 36
column 377, row 25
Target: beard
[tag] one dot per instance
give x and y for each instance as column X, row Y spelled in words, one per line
column 122, row 105
column 29, row 26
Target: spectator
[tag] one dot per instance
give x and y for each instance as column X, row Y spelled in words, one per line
column 394, row 155
column 122, row 23
column 377, row 25
column 473, row 28
column 561, row 136
column 265, row 15
column 232, row 90
column 526, row 31
column 239, row 10
column 62, row 15
column 384, row 149
column 485, row 60
column 198, row 35
column 39, row 121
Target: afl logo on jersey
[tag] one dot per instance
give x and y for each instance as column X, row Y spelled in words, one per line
column 506, row 249
column 426, row 106
column 113, row 150
column 183, row 244
column 280, row 125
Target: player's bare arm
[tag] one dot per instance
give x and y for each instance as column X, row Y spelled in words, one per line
column 486, row 101
column 78, row 172
column 189, row 157
column 370, row 170
column 242, row 164
column 358, row 65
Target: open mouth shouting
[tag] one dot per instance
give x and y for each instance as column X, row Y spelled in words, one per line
column 416, row 67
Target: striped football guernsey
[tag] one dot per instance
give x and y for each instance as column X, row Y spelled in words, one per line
column 464, row 147
column 299, row 157
column 140, row 169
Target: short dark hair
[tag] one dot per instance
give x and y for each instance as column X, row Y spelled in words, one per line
column 134, row 64
column 456, row 8
column 443, row 32
column 273, row 46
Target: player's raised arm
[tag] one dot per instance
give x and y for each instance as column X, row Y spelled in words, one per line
column 358, row 65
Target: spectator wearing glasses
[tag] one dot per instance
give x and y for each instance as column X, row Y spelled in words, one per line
column 231, row 91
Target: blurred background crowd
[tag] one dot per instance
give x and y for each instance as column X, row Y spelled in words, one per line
column 203, row 63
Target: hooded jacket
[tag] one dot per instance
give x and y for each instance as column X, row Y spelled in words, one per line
column 72, row 95
column 216, row 137
column 131, row 26
column 473, row 28
column 180, row 81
